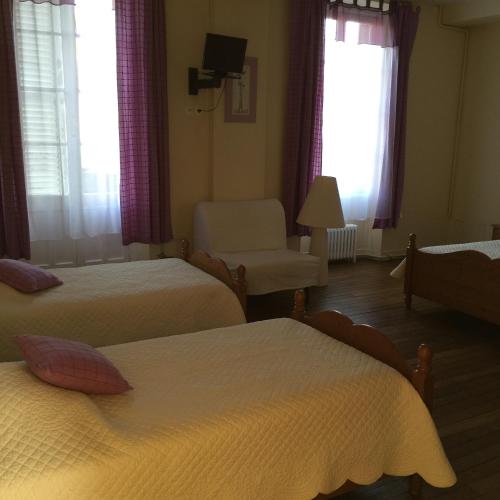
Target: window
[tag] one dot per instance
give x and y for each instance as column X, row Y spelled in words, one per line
column 357, row 87
column 43, row 103
column 66, row 62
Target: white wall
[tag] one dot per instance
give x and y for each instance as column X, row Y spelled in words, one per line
column 477, row 193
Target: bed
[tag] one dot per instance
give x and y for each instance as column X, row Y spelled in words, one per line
column 116, row 303
column 269, row 410
column 465, row 277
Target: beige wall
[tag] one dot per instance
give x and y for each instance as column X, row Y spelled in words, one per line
column 433, row 98
column 477, row 194
column 211, row 159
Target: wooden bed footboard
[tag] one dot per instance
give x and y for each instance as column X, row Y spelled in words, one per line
column 374, row 343
column 411, row 249
column 218, row 269
column 467, row 280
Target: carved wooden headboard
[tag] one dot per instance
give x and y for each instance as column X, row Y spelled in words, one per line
column 218, row 269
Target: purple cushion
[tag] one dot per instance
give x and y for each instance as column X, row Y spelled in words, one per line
column 71, row 365
column 26, row 277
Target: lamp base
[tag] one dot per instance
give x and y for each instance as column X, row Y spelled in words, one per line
column 319, row 248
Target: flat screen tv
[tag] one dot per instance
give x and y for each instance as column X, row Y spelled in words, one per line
column 224, row 54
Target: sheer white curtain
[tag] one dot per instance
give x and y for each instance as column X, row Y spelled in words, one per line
column 355, row 118
column 66, row 60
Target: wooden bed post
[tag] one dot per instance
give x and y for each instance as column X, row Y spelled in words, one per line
column 185, row 250
column 422, row 375
column 299, row 310
column 241, row 287
column 423, row 381
column 410, row 257
column 415, row 487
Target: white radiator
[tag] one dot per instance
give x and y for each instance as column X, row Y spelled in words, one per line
column 342, row 243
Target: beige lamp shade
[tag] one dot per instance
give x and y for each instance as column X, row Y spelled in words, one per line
column 322, row 207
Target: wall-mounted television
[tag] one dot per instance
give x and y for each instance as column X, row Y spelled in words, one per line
column 224, row 54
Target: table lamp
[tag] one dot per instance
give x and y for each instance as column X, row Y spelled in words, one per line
column 321, row 210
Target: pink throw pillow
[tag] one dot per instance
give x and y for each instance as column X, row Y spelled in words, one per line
column 26, row 277
column 71, row 365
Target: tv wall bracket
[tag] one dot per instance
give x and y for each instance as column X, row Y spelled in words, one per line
column 213, row 80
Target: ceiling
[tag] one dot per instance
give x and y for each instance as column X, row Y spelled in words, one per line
column 448, row 2
column 469, row 12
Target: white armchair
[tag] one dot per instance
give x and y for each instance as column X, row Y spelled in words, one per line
column 253, row 233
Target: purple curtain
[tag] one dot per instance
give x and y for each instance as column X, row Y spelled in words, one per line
column 143, row 121
column 14, row 227
column 304, row 119
column 404, row 22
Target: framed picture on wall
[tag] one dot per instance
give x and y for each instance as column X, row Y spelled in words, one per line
column 241, row 95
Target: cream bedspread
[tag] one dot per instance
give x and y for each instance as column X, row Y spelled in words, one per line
column 489, row 248
column 271, row 410
column 116, row 303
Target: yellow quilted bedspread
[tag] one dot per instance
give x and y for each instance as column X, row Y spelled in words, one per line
column 270, row 410
column 115, row 303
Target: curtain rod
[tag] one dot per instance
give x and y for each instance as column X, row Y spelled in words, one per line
column 378, row 5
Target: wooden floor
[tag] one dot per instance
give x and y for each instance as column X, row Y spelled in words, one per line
column 466, row 369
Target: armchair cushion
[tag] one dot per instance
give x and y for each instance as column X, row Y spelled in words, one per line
column 269, row 271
